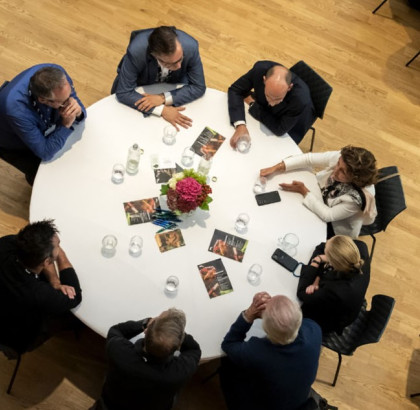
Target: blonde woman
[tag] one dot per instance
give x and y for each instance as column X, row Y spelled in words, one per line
column 333, row 286
column 346, row 183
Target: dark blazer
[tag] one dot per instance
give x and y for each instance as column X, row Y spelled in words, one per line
column 139, row 67
column 337, row 302
column 135, row 380
column 27, row 302
column 294, row 115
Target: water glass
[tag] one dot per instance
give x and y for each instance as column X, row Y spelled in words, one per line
column 243, row 144
column 187, row 158
column 288, row 243
column 109, row 246
column 118, row 172
column 171, row 285
column 204, row 166
column 135, row 246
column 260, row 185
column 241, row 223
column 254, row 274
column 169, row 135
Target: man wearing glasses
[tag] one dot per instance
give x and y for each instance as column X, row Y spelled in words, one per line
column 38, row 111
column 163, row 54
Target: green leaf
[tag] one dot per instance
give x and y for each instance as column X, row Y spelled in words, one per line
column 164, row 189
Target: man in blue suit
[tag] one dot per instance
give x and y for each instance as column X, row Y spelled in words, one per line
column 38, row 111
column 276, row 97
column 163, row 54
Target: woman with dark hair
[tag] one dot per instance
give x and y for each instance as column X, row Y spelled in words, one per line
column 332, row 287
column 346, row 184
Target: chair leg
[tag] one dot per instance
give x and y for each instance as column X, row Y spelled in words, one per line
column 313, row 139
column 412, row 59
column 414, row 394
column 337, row 371
column 377, row 8
column 12, row 380
column 373, row 247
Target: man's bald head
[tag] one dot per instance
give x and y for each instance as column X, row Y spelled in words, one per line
column 278, row 82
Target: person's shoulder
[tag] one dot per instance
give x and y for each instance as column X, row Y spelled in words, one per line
column 264, row 65
column 310, row 326
column 186, row 39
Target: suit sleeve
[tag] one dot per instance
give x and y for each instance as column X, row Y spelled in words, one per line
column 190, row 355
column 236, row 94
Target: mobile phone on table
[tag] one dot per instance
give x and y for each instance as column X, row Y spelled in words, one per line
column 285, row 260
column 268, row 198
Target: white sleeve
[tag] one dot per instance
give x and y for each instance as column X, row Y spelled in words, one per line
column 312, row 160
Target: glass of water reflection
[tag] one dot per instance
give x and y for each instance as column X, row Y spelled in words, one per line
column 243, row 144
column 169, row 135
column 135, row 246
column 187, row 158
column 241, row 223
column 171, row 285
column 118, row 172
column 254, row 274
column 109, row 246
column 288, row 243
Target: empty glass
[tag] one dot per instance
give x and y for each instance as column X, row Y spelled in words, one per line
column 109, row 246
column 135, row 246
column 204, row 166
column 288, row 243
column 169, row 135
column 187, row 158
column 118, row 172
column 171, row 285
column 243, row 144
column 241, row 223
column 254, row 274
column 260, row 185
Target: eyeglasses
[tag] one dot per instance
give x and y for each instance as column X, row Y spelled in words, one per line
column 170, row 64
column 62, row 104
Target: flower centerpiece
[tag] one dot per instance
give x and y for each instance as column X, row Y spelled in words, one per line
column 187, row 191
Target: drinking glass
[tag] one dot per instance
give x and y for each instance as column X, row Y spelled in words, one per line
column 171, row 285
column 241, row 223
column 187, row 158
column 118, row 172
column 204, row 166
column 169, row 135
column 136, row 245
column 254, row 274
column 260, row 185
column 243, row 144
column 288, row 243
column 109, row 246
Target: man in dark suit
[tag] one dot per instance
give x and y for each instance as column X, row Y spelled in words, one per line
column 276, row 97
column 34, row 298
column 163, row 54
column 147, row 374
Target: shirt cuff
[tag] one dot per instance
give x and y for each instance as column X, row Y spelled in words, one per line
column 240, row 122
column 158, row 110
column 168, row 98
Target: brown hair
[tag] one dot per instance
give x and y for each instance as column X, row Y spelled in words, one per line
column 162, row 41
column 46, row 80
column 361, row 165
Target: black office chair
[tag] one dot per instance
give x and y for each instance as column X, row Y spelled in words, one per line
column 377, row 8
column 390, row 201
column 319, row 88
column 367, row 328
column 12, row 354
column 407, row 64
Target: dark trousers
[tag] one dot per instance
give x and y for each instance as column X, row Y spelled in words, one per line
column 24, row 160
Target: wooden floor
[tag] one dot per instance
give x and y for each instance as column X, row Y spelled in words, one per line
column 375, row 104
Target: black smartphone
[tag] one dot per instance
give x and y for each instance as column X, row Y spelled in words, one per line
column 268, row 198
column 285, row 260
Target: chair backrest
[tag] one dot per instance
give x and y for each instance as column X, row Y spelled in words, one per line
column 367, row 328
column 319, row 88
column 390, row 200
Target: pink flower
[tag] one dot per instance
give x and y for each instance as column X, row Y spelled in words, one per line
column 188, row 189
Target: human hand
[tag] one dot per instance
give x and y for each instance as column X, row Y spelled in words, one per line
column 259, row 302
column 149, row 101
column 295, row 186
column 280, row 167
column 248, row 100
column 239, row 131
column 67, row 290
column 174, row 117
column 311, row 289
column 69, row 112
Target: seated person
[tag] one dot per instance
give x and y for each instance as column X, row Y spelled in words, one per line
column 38, row 111
column 276, row 97
column 147, row 374
column 163, row 54
column 332, row 287
column 346, row 184
column 33, row 296
column 273, row 372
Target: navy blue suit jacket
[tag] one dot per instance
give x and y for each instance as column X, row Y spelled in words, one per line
column 294, row 115
column 139, row 67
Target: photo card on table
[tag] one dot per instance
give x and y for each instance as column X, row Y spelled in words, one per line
column 140, row 211
column 215, row 278
column 169, row 240
column 163, row 175
column 207, row 143
column 228, row 245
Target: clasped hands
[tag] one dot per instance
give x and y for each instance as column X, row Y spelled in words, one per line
column 169, row 113
column 70, row 112
column 257, row 307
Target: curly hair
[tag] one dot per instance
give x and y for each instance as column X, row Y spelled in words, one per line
column 361, row 165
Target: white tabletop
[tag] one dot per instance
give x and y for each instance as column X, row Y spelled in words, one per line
column 76, row 190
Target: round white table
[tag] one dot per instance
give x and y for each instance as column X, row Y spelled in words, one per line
column 76, row 190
